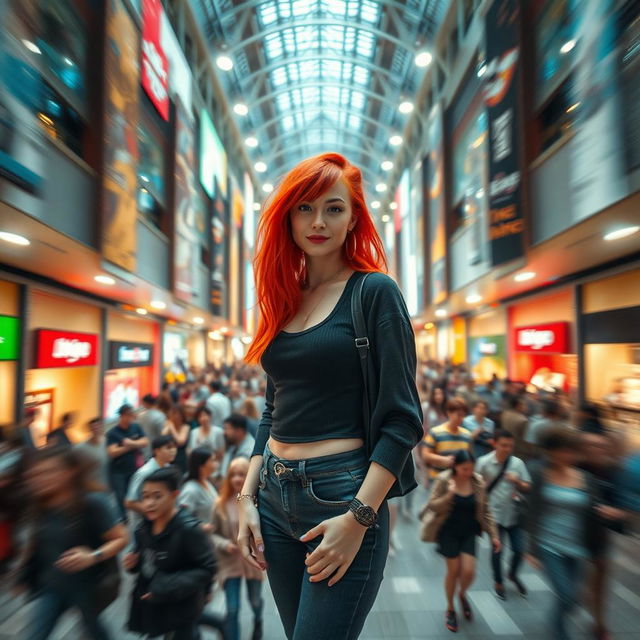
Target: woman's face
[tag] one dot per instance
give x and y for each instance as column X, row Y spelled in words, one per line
column 464, row 471
column 237, row 478
column 175, row 417
column 438, row 396
column 320, row 226
column 206, row 470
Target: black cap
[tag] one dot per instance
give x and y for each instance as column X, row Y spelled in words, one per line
column 125, row 408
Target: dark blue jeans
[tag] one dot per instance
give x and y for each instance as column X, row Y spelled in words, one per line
column 516, row 540
column 232, row 588
column 119, row 484
column 293, row 497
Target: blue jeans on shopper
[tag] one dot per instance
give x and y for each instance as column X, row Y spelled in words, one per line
column 119, row 484
column 293, row 497
column 232, row 588
column 516, row 540
column 564, row 573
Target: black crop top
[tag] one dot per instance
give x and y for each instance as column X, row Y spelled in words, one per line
column 314, row 384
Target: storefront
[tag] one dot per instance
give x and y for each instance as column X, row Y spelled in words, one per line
column 181, row 350
column 487, row 345
column 458, row 340
column 133, row 368
column 541, row 344
column 10, row 340
column 64, row 373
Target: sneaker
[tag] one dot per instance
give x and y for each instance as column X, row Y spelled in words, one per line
column 522, row 590
column 466, row 609
column 451, row 621
column 500, row 592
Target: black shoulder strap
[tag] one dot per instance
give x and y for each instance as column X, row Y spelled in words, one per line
column 497, row 479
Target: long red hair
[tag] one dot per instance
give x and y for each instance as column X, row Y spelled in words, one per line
column 279, row 264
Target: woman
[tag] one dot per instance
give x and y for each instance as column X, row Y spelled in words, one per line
column 177, row 427
column 197, row 494
column 250, row 411
column 436, row 414
column 206, row 434
column 458, row 512
column 319, row 475
column 232, row 567
column 76, row 537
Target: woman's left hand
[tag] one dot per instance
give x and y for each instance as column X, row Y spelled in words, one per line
column 497, row 545
column 342, row 538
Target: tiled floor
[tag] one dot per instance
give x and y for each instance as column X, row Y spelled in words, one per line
column 411, row 602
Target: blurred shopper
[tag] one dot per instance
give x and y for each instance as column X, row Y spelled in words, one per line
column 481, row 428
column 125, row 442
column 505, row 477
column 458, row 512
column 174, row 560
column 467, row 392
column 436, row 411
column 176, row 427
column 250, row 411
column 95, row 447
column 25, row 428
column 237, row 395
column 59, row 437
column 548, row 416
column 198, row 495
column 75, row 538
column 207, row 434
column 12, row 499
column 151, row 419
column 218, row 403
column 514, row 420
column 239, row 443
column 443, row 442
column 491, row 393
column 201, row 392
column 232, row 567
column 164, row 450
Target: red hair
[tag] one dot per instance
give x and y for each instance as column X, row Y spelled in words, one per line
column 279, row 264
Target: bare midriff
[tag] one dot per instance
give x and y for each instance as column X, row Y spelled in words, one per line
column 306, row 450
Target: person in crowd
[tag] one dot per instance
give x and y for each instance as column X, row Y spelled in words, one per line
column 505, row 477
column 201, row 392
column 176, row 427
column 549, row 416
column 75, row 538
column 198, row 494
column 250, row 412
column 436, row 413
column 459, row 512
column 232, row 567
column 491, row 393
column 12, row 499
column 174, row 561
column 261, row 397
column 514, row 420
column 218, row 403
column 164, row 451
column 239, row 443
column 26, row 430
column 151, row 419
column 207, row 434
column 95, row 447
column 59, row 436
column 570, row 518
column 316, row 238
column 237, row 395
column 443, row 442
column 467, row 392
column 124, row 442
column 481, row 427
column 164, row 406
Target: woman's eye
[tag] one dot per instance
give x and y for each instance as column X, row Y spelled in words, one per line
column 304, row 207
column 336, row 209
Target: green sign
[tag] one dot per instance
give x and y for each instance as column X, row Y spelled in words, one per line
column 9, row 338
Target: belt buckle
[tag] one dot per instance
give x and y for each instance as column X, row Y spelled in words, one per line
column 279, row 469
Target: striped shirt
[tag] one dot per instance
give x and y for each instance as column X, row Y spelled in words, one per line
column 444, row 442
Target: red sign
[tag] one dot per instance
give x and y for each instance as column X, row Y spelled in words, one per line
column 543, row 338
column 155, row 66
column 65, row 349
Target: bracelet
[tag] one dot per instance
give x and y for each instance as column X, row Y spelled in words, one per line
column 247, row 496
column 97, row 556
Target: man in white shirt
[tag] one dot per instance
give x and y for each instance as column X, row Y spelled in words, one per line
column 218, row 404
column 240, row 444
column 503, row 496
column 151, row 419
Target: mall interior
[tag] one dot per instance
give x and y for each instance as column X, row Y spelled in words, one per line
column 499, row 145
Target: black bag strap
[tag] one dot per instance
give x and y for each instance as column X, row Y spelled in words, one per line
column 497, row 479
column 363, row 346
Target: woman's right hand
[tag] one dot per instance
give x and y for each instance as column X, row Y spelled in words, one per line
column 250, row 536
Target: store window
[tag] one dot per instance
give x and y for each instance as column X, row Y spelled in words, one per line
column 151, row 175
column 557, row 118
column 60, row 121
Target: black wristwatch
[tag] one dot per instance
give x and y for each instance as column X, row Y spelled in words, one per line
column 364, row 514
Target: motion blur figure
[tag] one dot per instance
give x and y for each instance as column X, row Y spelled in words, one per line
column 75, row 536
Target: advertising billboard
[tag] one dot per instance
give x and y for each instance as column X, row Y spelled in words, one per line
column 155, row 66
column 213, row 158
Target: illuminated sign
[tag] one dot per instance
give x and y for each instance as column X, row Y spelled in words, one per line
column 65, row 349
column 124, row 355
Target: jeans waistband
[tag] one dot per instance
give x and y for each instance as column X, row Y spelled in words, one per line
column 310, row 468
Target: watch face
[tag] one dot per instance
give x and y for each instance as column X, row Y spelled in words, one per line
column 366, row 514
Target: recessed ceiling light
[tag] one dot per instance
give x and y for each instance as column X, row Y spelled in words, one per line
column 267, row 187
column 423, row 59
column 568, row 46
column 386, row 218
column 198, row 320
column 523, row 277
column 375, row 204
column 251, row 142
column 240, row 109
column 215, row 335
column 441, row 313
column 247, row 339
column 395, row 141
column 105, row 280
column 482, row 69
column 224, row 62
column 142, row 311
column 405, row 107
column 474, row 298
column 31, row 46
column 622, row 233
column 381, row 187
column 387, row 165
column 224, row 329
column 573, row 107
column 158, row 304
column 144, row 178
column 393, row 206
column 14, row 238
column 256, row 206
column 260, row 167
column 428, row 326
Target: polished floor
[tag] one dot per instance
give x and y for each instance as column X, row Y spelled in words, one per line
column 410, row 604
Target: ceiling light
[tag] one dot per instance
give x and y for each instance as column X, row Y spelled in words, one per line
column 215, row 335
column 482, row 69
column 251, row 142
column 198, row 320
column 31, row 46
column 247, row 339
column 375, row 204
column 480, row 193
column 260, row 167
column 393, row 206
column 105, row 280
column 568, row 46
column 387, row 165
column 524, row 276
column 622, row 233
column 441, row 313
column 474, row 298
column 405, row 107
column 144, row 178
column 14, row 238
column 395, row 141
column 381, row 187
column 224, row 62
column 256, row 206
column 141, row 311
column 158, row 304
column 386, row 218
column 573, row 107
column 267, row 187
column 423, row 59
column 240, row 109
column 428, row 326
